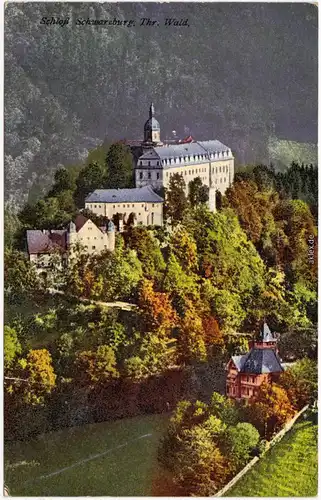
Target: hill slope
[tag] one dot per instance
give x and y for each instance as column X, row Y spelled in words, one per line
column 233, row 73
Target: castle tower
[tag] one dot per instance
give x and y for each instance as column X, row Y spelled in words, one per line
column 152, row 128
column 111, row 236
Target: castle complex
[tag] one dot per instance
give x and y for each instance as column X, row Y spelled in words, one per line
column 155, row 162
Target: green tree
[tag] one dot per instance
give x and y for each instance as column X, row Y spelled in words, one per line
column 148, row 251
column 239, row 442
column 91, row 177
column 11, row 346
column 198, row 192
column 175, row 199
column 96, row 367
column 120, row 167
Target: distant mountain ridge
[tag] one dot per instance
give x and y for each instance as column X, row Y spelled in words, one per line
column 237, row 70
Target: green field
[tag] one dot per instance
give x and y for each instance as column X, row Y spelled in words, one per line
column 289, row 469
column 126, row 465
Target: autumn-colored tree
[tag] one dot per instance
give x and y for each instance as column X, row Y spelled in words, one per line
column 157, row 312
column 191, row 343
column 201, row 469
column 96, row 367
column 270, row 409
column 213, row 336
column 301, row 382
column 33, row 378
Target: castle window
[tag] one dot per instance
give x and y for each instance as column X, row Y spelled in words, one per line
column 95, row 206
column 224, row 179
column 220, row 169
column 128, row 206
column 141, row 163
column 157, row 163
column 149, row 163
column 216, row 170
column 114, row 206
column 149, row 175
column 189, row 172
column 153, row 204
column 90, row 228
column 139, row 213
column 157, row 175
column 140, row 175
column 88, row 238
column 133, row 206
column 93, row 247
column 102, row 238
column 192, row 172
column 221, row 180
column 142, row 206
column 105, row 246
column 124, row 206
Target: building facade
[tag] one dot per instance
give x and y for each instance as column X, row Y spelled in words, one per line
column 142, row 204
column 247, row 372
column 211, row 160
column 42, row 244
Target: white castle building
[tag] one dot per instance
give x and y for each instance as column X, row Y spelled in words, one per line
column 211, row 160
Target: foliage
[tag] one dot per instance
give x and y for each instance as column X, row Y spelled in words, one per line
column 198, row 192
column 119, row 166
column 270, row 409
column 11, row 346
column 300, row 382
column 92, row 176
column 176, row 202
column 35, row 378
column 20, row 277
column 157, row 312
column 148, row 251
column 239, row 442
column 96, row 367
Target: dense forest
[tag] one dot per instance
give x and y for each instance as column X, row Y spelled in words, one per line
column 238, row 72
column 198, row 287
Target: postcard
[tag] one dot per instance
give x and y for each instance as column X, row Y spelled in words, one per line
column 160, row 249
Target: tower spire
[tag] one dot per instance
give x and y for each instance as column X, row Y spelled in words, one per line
column 151, row 110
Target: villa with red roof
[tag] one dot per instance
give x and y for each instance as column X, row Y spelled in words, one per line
column 245, row 373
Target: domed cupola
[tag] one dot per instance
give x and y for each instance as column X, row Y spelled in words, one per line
column 152, row 127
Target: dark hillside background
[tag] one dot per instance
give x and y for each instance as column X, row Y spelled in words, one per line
column 240, row 73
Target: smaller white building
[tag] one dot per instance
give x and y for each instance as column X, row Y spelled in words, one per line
column 142, row 204
column 41, row 244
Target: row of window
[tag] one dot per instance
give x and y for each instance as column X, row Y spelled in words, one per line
column 191, row 158
column 114, row 206
column 149, row 175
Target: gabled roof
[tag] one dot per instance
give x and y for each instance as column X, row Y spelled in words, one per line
column 144, row 194
column 45, row 241
column 80, row 221
column 258, row 361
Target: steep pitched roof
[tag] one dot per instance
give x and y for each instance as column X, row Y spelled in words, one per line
column 266, row 335
column 144, row 194
column 80, row 221
column 262, row 361
column 240, row 360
